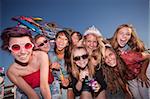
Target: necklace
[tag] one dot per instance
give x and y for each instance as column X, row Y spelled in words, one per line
column 21, row 63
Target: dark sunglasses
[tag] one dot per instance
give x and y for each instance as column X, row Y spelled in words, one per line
column 42, row 44
column 77, row 58
column 95, row 57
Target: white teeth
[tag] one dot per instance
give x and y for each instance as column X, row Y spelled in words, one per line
column 62, row 45
column 23, row 56
column 123, row 39
column 123, row 42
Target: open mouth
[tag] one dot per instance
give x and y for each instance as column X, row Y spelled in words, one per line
column 122, row 42
column 61, row 46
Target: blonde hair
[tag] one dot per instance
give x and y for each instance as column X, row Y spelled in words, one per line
column 74, row 67
column 97, row 53
column 100, row 42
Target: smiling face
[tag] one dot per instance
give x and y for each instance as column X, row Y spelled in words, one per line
column 80, row 57
column 61, row 41
column 95, row 57
column 91, row 42
column 21, row 48
column 75, row 38
column 110, row 58
column 43, row 44
column 94, row 60
column 123, row 36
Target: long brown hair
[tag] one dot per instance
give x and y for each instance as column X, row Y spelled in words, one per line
column 134, row 43
column 115, row 75
column 67, row 50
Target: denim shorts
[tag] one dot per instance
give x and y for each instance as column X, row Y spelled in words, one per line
column 21, row 95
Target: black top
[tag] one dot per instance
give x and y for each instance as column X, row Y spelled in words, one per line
column 99, row 77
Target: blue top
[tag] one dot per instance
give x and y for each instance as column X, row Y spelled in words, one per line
column 53, row 58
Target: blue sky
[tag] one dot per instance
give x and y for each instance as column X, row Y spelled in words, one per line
column 79, row 14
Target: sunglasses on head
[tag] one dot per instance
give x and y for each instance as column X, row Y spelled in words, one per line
column 42, row 44
column 77, row 58
column 17, row 47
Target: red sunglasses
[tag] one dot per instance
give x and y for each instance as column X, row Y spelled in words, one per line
column 16, row 47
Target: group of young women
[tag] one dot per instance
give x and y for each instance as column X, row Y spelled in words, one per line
column 79, row 66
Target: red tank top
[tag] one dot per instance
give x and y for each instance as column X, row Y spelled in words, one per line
column 34, row 79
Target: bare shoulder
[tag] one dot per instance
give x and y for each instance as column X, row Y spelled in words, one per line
column 11, row 69
column 39, row 53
